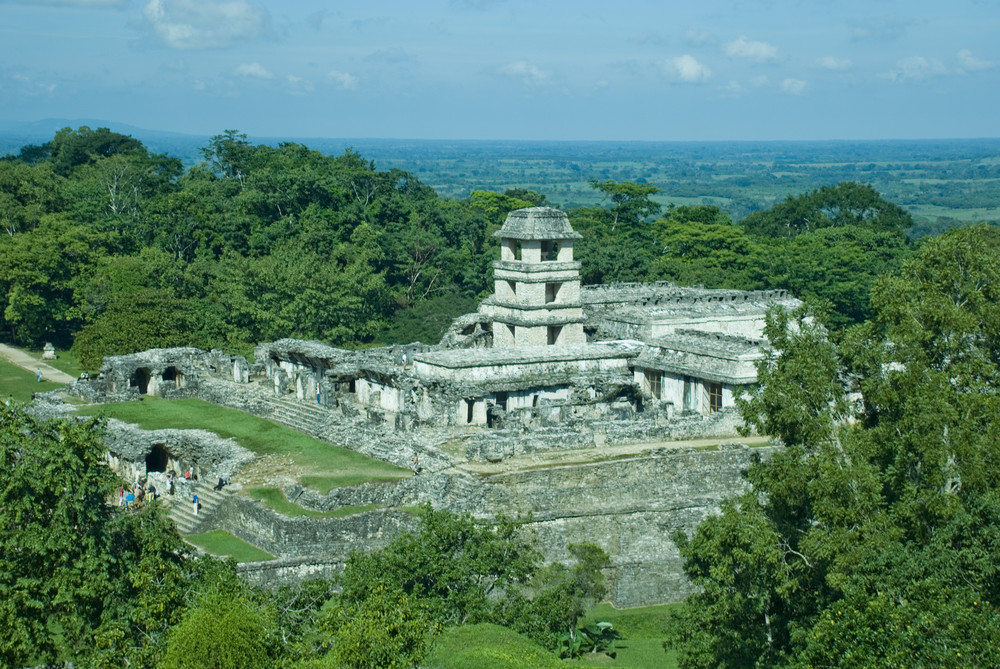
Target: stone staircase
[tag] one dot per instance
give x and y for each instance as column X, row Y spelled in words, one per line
column 300, row 415
column 182, row 508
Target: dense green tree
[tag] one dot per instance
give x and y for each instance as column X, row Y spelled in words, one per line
column 847, row 203
column 40, row 272
column 631, row 200
column 386, row 630
column 454, row 565
column 701, row 246
column 226, row 627
column 26, row 194
column 70, row 148
column 869, row 539
column 79, row 579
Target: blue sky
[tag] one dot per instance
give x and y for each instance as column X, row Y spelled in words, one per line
column 510, row 69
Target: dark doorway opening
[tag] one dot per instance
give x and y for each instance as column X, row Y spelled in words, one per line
column 156, row 459
column 173, row 374
column 140, row 380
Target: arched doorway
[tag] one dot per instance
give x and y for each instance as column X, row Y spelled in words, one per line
column 156, row 459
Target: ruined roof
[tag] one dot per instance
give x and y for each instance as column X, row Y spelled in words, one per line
column 488, row 357
column 537, row 223
column 688, row 311
column 664, row 293
column 705, row 355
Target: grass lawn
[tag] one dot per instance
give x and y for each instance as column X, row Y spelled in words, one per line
column 485, row 645
column 643, row 632
column 324, row 461
column 19, row 383
column 222, row 543
column 474, row 646
column 275, row 499
column 66, row 362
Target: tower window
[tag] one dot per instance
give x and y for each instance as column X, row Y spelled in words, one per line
column 552, row 292
column 554, row 331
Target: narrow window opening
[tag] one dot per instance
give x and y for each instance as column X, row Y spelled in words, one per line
column 654, row 383
column 552, row 292
column 714, row 396
column 554, row 331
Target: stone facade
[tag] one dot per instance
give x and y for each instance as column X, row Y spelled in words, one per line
column 543, row 351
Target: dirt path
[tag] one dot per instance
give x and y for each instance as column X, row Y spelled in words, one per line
column 22, row 359
column 585, row 455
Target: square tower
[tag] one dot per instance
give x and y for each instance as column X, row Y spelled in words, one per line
column 536, row 295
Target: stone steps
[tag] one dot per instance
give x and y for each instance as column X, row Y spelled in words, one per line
column 181, row 508
column 300, row 415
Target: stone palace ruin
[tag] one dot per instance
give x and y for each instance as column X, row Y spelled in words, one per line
column 545, row 365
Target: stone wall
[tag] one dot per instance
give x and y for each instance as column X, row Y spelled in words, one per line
column 501, row 444
column 629, row 507
column 321, row 539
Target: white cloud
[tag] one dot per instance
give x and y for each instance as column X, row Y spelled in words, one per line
column 733, row 88
column 298, row 85
column 832, row 63
column 525, row 71
column 970, row 63
column 760, row 81
column 760, row 52
column 342, row 79
column 915, row 68
column 253, row 71
column 205, row 24
column 686, row 68
column 793, row 86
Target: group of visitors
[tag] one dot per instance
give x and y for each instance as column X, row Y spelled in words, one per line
column 135, row 496
column 142, row 489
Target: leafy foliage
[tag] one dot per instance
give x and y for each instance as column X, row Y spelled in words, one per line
column 871, row 537
column 225, row 628
column 846, row 204
column 78, row 578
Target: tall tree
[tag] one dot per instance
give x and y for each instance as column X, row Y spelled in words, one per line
column 869, row 539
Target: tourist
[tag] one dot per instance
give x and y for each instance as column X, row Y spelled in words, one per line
column 121, row 495
column 195, row 500
column 38, row 374
column 415, row 465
